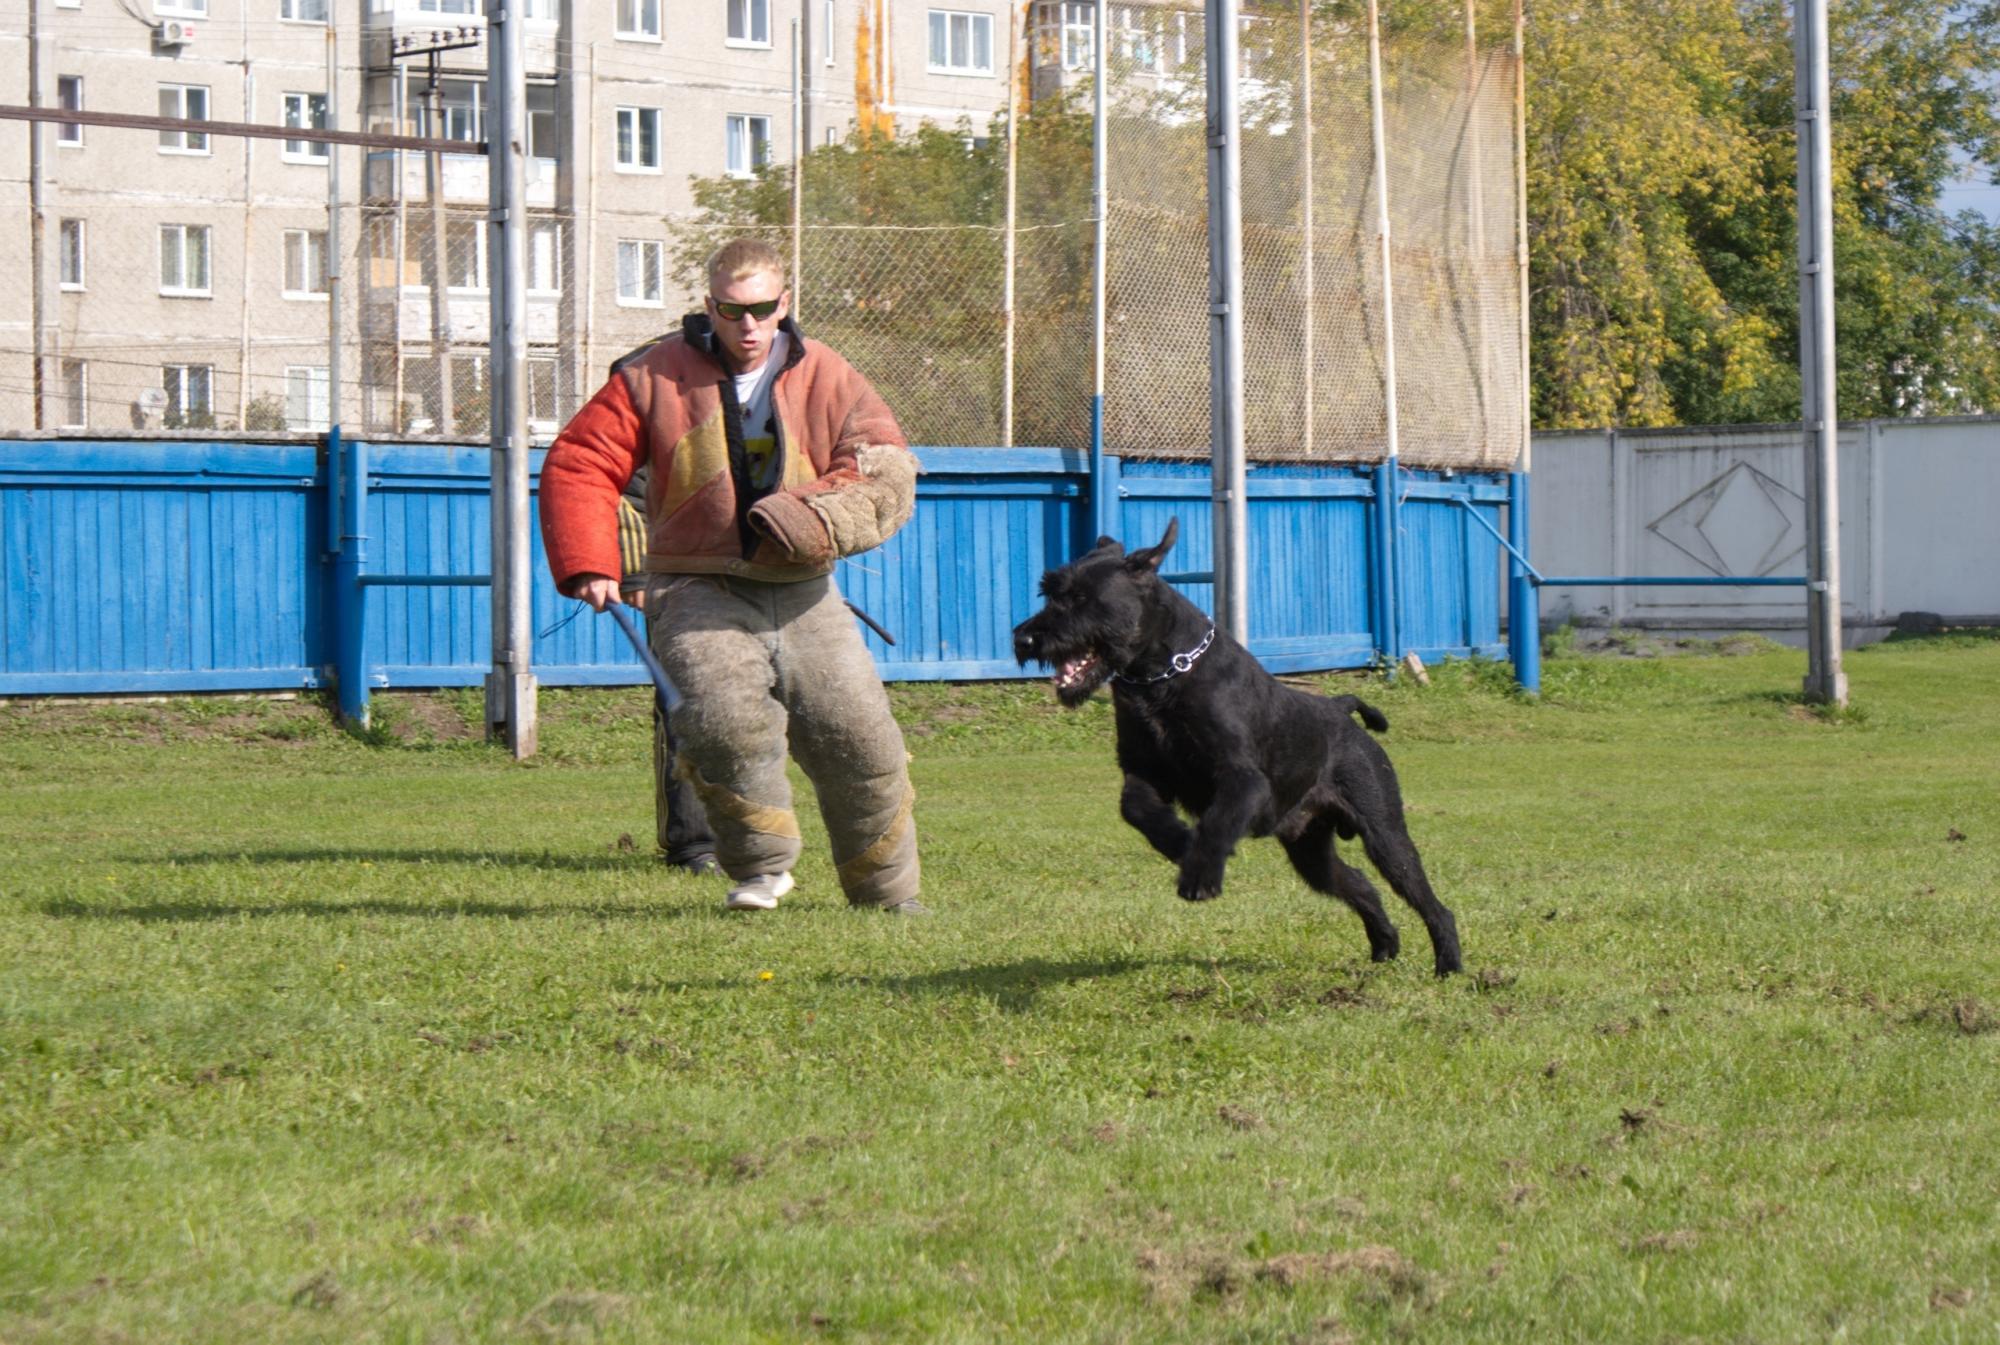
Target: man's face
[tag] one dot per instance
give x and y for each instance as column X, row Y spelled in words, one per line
column 747, row 337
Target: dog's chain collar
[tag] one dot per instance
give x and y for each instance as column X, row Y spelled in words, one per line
column 1180, row 663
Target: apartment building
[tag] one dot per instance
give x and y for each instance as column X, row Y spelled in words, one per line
column 186, row 274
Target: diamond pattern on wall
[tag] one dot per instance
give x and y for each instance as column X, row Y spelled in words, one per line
column 1741, row 523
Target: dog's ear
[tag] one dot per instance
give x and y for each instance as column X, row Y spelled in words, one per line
column 1112, row 542
column 1150, row 558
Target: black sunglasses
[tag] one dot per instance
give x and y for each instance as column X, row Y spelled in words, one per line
column 759, row 311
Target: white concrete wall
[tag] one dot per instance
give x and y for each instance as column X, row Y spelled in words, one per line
column 1917, row 532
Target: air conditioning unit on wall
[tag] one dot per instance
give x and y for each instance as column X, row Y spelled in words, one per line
column 172, row 33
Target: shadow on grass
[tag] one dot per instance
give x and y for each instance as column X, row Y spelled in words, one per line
column 471, row 859
column 1011, row 986
column 195, row 912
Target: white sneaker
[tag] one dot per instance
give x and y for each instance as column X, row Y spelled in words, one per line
column 760, row 893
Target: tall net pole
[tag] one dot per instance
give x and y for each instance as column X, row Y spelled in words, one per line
column 510, row 694
column 1825, row 681
column 1007, row 242
column 1304, row 121
column 1225, row 306
column 1386, row 482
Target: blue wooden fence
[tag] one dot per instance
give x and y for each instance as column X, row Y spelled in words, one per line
column 154, row 566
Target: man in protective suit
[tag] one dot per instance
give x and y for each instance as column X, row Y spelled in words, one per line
column 769, row 457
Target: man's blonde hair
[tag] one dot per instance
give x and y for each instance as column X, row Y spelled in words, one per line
column 743, row 257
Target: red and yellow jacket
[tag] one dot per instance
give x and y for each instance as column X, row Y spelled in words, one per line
column 848, row 479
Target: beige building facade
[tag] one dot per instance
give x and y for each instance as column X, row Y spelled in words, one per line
column 186, row 276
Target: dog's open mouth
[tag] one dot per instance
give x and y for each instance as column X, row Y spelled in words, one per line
column 1077, row 672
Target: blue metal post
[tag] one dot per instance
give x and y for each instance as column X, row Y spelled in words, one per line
column 1388, row 638
column 350, row 595
column 1105, row 513
column 1524, row 599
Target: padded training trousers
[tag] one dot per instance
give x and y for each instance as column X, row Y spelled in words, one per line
column 763, row 665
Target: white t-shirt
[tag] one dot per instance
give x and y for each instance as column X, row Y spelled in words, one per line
column 760, row 417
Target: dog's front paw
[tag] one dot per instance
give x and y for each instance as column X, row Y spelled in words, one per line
column 1200, row 882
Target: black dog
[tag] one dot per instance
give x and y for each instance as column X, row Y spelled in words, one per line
column 1202, row 725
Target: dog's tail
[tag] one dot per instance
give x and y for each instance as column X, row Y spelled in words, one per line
column 1372, row 717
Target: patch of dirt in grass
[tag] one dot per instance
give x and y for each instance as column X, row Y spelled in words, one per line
column 420, row 717
column 1240, row 1118
column 1385, row 1265
column 1943, row 1298
column 1674, row 1240
column 1643, row 644
column 1967, row 1015
column 573, row 1315
column 322, row 1291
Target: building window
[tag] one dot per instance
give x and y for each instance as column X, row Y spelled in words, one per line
column 1079, row 34
column 184, row 260
column 638, row 140
column 961, row 44
column 750, row 23
column 72, row 254
column 639, row 20
column 190, row 395
column 542, row 9
column 544, row 259
column 465, row 254
column 69, row 97
column 749, row 144
column 302, row 11
column 826, row 43
column 1136, row 38
column 75, row 394
column 461, row 111
column 196, row 8
column 305, row 397
column 542, row 393
column 307, row 111
column 542, row 125
column 640, row 263
column 448, row 6
column 189, row 101
column 305, row 264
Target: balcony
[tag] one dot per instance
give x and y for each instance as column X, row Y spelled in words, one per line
column 464, row 179
column 408, row 316
column 389, row 20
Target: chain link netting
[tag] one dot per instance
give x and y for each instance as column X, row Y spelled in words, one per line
column 212, row 312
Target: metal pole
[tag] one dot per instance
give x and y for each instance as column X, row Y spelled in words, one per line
column 249, row 215
column 1391, row 548
column 1007, row 236
column 798, row 164
column 333, row 369
column 1824, row 679
column 1100, row 488
column 1482, row 383
column 1227, row 486
column 402, row 232
column 347, row 484
column 510, row 690
column 440, row 302
column 1524, row 598
column 1304, row 118
column 1527, row 392
column 38, row 217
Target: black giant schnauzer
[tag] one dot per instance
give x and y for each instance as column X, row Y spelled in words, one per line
column 1202, row 725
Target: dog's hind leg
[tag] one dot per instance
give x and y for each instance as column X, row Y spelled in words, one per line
column 1312, row 855
column 1142, row 805
column 1394, row 855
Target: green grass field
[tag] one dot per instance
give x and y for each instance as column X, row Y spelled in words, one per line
column 308, row 1038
